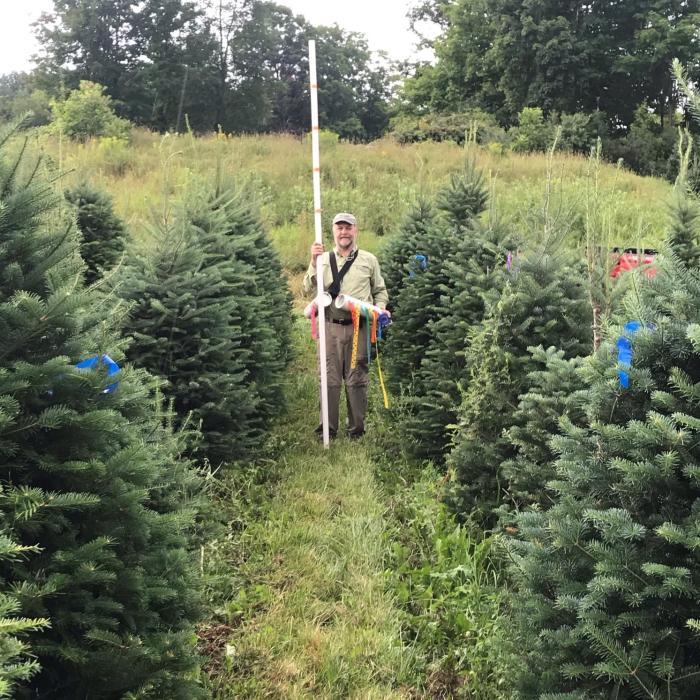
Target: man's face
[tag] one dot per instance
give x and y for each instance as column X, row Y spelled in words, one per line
column 344, row 235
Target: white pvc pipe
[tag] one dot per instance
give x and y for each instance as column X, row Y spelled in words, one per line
column 326, row 300
column 344, row 301
column 316, row 160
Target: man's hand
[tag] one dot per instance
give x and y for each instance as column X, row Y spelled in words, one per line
column 316, row 250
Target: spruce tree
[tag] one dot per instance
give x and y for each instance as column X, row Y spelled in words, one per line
column 103, row 233
column 609, row 576
column 91, row 474
column 545, row 304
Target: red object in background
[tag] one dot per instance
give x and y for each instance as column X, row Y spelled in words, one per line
column 630, row 258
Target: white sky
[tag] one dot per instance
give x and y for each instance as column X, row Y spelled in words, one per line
column 383, row 22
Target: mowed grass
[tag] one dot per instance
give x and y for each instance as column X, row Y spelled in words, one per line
column 316, row 619
column 378, row 182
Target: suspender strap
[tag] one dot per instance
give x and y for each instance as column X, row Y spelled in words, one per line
column 334, row 289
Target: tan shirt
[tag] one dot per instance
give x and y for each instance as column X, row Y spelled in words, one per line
column 363, row 281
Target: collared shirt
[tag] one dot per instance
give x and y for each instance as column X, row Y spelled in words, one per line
column 363, row 280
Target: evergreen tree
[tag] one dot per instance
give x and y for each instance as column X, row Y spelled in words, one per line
column 552, row 390
column 683, row 235
column 212, row 315
column 609, row 575
column 399, row 257
column 103, row 233
column 474, row 268
column 91, row 474
column 187, row 328
column 435, row 306
column 544, row 305
column 15, row 666
column 267, row 293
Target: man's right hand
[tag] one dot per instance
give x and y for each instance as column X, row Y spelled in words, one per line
column 316, row 250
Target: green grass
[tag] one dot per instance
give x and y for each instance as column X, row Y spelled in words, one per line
column 377, row 181
column 314, row 618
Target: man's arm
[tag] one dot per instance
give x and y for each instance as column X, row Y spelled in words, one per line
column 309, row 282
column 379, row 293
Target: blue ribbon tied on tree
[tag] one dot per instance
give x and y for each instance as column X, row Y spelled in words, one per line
column 418, row 261
column 625, row 350
column 110, row 365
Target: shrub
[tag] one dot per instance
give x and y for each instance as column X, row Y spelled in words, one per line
column 86, row 113
column 533, row 133
column 447, row 127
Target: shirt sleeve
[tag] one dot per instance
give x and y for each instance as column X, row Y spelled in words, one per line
column 379, row 293
column 309, row 283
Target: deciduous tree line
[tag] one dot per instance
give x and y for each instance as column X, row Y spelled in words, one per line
column 238, row 65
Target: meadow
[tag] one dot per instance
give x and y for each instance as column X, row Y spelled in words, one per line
column 378, row 181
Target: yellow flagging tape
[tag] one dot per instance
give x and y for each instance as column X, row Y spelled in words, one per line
column 381, row 379
column 355, row 335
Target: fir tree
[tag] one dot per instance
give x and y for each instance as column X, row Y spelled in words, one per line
column 211, row 314
column 103, row 233
column 609, row 575
column 544, row 305
column 552, row 391
column 399, row 261
column 15, row 663
column 685, row 227
column 475, row 268
column 91, row 475
column 187, row 324
column 266, row 291
column 450, row 244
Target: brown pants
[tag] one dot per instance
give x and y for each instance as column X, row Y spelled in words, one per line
column 338, row 361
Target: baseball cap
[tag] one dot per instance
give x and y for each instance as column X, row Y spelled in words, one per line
column 347, row 218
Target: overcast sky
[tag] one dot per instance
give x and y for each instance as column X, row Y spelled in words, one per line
column 383, row 22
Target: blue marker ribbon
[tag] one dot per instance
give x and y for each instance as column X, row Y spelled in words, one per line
column 625, row 350
column 111, row 366
column 421, row 260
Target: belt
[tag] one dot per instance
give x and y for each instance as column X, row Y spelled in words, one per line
column 339, row 321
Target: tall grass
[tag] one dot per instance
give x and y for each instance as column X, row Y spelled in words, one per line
column 377, row 181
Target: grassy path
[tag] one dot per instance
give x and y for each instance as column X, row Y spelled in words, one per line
column 319, row 622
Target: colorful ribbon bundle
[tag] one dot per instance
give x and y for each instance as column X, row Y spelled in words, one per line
column 376, row 319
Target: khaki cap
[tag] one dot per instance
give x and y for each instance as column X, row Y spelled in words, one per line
column 347, row 218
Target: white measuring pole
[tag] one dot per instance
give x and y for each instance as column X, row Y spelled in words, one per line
column 316, row 159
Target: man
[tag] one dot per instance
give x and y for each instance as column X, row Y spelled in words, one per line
column 358, row 276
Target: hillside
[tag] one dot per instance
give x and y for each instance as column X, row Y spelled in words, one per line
column 377, row 181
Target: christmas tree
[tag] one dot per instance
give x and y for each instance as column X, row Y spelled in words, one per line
column 91, row 473
column 608, row 576
column 544, row 304
column 103, row 233
column 267, row 295
column 423, row 295
column 211, row 314
column 552, row 390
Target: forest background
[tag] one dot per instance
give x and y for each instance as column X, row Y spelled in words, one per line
column 598, row 69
